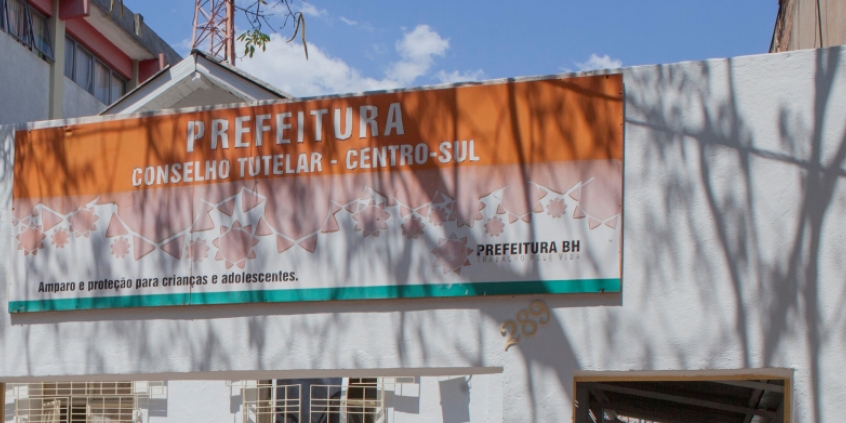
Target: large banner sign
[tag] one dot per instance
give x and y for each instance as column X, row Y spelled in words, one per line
column 503, row 188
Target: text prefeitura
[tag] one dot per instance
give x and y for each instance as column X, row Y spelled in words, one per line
column 290, row 127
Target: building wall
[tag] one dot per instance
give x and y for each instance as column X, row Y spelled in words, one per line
column 24, row 89
column 195, row 401
column 734, row 209
column 77, row 102
column 805, row 24
column 25, row 78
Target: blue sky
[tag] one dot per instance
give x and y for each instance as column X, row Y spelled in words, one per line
column 356, row 46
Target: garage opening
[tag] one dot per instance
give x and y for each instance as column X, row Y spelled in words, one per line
column 681, row 401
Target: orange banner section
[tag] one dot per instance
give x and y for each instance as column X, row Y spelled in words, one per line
column 508, row 123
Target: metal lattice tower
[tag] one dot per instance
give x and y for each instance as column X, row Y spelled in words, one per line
column 214, row 28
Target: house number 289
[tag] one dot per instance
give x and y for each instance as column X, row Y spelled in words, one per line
column 526, row 322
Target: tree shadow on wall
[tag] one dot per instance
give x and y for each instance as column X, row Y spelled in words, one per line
column 771, row 245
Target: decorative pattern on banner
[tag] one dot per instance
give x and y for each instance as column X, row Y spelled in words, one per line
column 479, row 190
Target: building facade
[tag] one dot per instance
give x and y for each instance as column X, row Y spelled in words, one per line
column 70, row 58
column 805, row 24
column 730, row 308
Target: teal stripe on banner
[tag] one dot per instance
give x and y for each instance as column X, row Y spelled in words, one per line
column 89, row 303
column 324, row 294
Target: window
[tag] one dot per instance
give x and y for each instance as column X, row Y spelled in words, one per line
column 41, row 34
column 18, row 20
column 102, row 78
column 91, row 74
column 266, row 402
column 634, row 400
column 117, row 87
column 69, row 46
column 81, row 402
column 28, row 26
column 83, row 67
column 331, row 400
column 363, row 400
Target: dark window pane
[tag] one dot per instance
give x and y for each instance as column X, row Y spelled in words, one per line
column 18, row 21
column 83, row 68
column 69, row 48
column 3, row 14
column 41, row 34
column 101, row 82
column 118, row 88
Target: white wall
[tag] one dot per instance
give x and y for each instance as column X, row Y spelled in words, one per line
column 734, row 209
column 193, row 401
column 77, row 102
column 24, row 83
